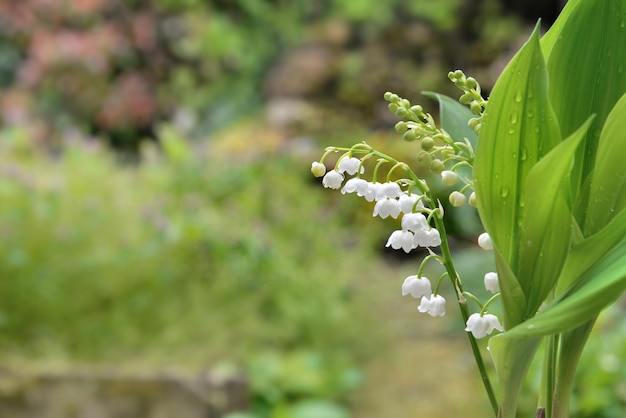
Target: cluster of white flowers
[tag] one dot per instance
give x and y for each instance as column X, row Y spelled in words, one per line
column 392, row 201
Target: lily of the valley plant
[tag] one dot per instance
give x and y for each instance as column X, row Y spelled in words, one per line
column 543, row 161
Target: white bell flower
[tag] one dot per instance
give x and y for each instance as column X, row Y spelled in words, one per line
column 482, row 325
column 484, row 241
column 491, row 282
column 370, row 193
column 332, row 179
column 416, row 287
column 435, row 305
column 355, row 184
column 427, row 238
column 407, row 201
column 400, row 239
column 387, row 207
column 350, row 166
column 389, row 190
column 414, row 222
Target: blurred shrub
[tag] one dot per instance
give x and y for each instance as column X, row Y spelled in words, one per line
column 180, row 260
column 119, row 68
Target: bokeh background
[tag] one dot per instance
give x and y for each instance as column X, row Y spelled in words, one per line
column 157, row 212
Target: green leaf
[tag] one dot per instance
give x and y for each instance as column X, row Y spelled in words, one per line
column 586, row 253
column 598, row 287
column 454, row 118
column 519, row 128
column 546, row 221
column 607, row 195
column 550, row 38
column 587, row 75
column 512, row 358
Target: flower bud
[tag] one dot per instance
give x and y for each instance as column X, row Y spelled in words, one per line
column 437, row 166
column 457, row 199
column 409, row 135
column 472, row 199
column 476, row 108
column 401, row 127
column 423, row 157
column 449, row 178
column 427, row 143
column 484, row 241
column 318, row 169
column 491, row 282
column 388, row 95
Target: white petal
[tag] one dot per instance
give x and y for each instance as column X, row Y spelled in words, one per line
column 407, row 201
column 349, row 165
column 332, row 179
column 388, row 190
column 416, row 287
column 401, row 239
column 354, row 185
column 387, row 207
column 434, row 306
column 414, row 222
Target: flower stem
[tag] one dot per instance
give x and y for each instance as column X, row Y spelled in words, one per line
column 449, row 266
column 454, row 277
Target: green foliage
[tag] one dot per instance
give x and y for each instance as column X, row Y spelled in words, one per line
column 203, row 259
column 548, row 187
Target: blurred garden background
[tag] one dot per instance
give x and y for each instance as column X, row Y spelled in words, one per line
column 157, row 211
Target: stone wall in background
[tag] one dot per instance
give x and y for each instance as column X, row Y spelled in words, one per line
column 119, row 395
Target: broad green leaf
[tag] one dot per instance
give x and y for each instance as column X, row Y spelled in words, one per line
column 607, row 195
column 513, row 297
column 587, row 75
column 519, row 128
column 586, row 253
column 512, row 358
column 454, row 118
column 598, row 287
column 549, row 39
column 571, row 345
column 546, row 221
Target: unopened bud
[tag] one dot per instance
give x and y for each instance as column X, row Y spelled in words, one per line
column 401, row 127
column 472, row 199
column 476, row 108
column 437, row 166
column 409, row 135
column 423, row 157
column 318, row 169
column 427, row 143
column 457, row 199
column 449, row 178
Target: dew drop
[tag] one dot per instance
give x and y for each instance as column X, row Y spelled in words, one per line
column 524, row 154
column 504, row 191
column 513, row 118
column 519, row 96
column 511, row 130
column 530, row 114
